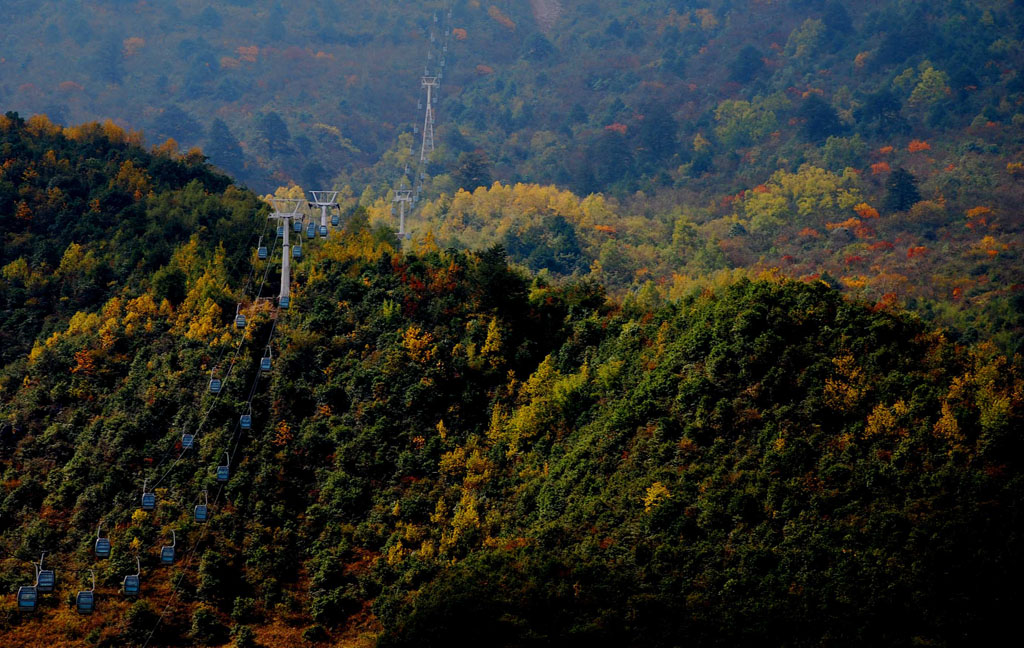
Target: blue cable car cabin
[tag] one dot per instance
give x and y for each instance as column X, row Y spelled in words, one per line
column 262, row 252
column 245, row 421
column 131, row 585
column 280, row 231
column 201, row 513
column 311, row 231
column 167, row 551
column 297, row 252
column 296, row 226
column 335, row 219
column 148, row 501
column 240, row 321
column 27, row 598
column 187, row 441
column 285, row 302
column 215, row 385
column 323, row 230
column 85, row 602
column 45, row 581
column 224, row 472
column 102, row 548
column 265, row 364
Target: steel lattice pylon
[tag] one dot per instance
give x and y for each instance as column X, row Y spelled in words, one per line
column 427, row 147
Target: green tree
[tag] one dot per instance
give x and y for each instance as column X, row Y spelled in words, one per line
column 805, row 41
column 901, row 191
column 207, row 628
column 820, row 120
column 272, row 130
column 743, row 123
column 138, row 621
column 473, row 170
column 656, row 136
column 880, row 114
column 747, row 65
column 223, row 148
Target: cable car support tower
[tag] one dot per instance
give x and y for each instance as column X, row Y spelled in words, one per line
column 286, row 210
column 427, row 147
column 403, row 197
column 326, row 201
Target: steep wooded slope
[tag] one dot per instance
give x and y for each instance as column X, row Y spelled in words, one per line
column 446, row 451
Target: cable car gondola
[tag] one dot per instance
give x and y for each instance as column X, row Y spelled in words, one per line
column 297, row 252
column 148, row 499
column 224, row 472
column 261, row 251
column 85, row 601
column 296, row 226
column 187, row 441
column 245, row 421
column 27, row 598
column 132, row 583
column 266, row 362
column 239, row 317
column 167, row 551
column 202, row 511
column 323, row 231
column 311, row 231
column 284, row 302
column 102, row 547
column 45, row 578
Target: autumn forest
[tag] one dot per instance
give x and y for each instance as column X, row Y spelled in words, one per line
column 704, row 324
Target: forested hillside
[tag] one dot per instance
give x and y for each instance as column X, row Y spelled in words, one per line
column 85, row 212
column 877, row 145
column 710, row 96
column 709, row 330
column 446, row 450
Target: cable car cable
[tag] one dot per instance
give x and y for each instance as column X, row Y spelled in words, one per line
column 211, row 407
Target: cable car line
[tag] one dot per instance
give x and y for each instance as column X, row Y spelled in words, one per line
column 236, row 439
column 203, row 513
column 227, row 375
column 224, row 348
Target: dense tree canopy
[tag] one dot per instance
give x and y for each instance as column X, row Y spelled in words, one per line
column 446, row 448
column 709, row 330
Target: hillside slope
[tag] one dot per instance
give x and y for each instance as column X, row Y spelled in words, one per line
column 875, row 145
column 445, row 451
column 85, row 213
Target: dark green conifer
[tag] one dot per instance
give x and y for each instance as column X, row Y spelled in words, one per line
column 901, row 191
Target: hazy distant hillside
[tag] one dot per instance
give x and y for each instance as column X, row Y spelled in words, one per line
column 596, row 96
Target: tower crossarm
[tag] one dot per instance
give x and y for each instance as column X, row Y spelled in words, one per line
column 325, row 198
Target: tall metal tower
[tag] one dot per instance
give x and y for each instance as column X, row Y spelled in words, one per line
column 285, row 211
column 403, row 197
column 427, row 147
column 326, row 201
